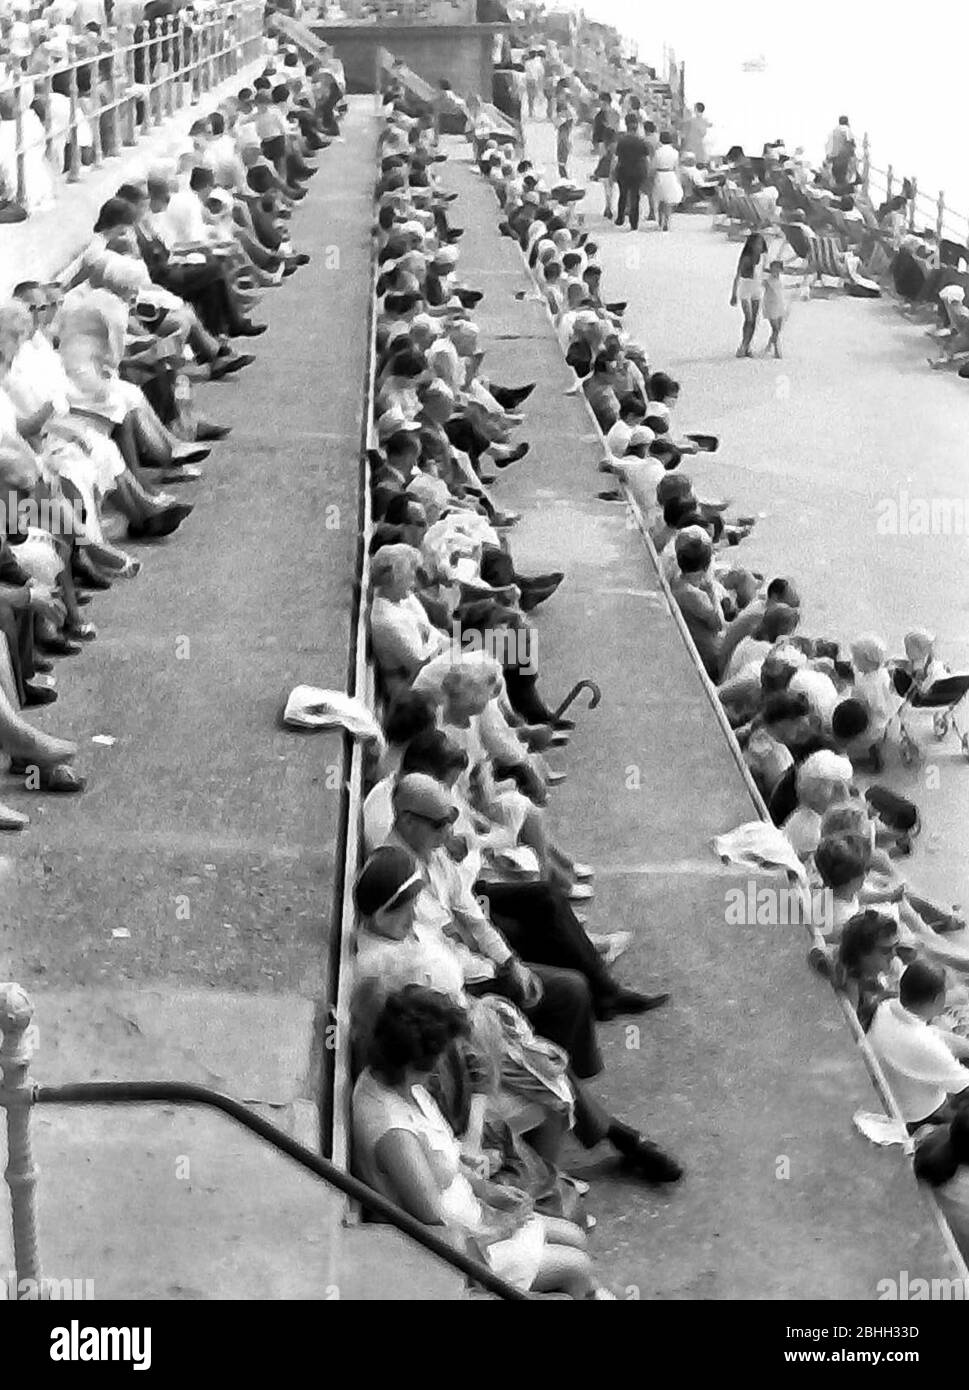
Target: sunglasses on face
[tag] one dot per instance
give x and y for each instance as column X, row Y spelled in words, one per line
column 436, row 822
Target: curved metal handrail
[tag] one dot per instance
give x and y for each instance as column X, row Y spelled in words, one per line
column 187, row 1093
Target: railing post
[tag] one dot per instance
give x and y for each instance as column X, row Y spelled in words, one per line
column 196, row 49
column 157, row 77
column 168, row 47
column 18, row 142
column 911, row 206
column 940, row 216
column 49, row 119
column 889, row 183
column 130, row 136
column 865, row 163
column 74, row 148
column 113, row 124
column 18, row 1039
column 94, row 116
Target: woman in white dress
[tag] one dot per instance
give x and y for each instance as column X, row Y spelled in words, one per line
column 666, row 187
column 405, row 1149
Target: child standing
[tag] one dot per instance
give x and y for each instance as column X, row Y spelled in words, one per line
column 775, row 305
column 564, row 122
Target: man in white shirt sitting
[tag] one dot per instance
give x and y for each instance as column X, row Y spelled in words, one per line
column 920, row 1062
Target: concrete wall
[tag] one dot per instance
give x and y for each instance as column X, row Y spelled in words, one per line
column 460, row 53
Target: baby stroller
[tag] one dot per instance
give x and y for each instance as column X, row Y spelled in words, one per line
column 943, row 696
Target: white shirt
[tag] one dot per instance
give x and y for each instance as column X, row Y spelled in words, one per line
column 919, row 1067
column 183, row 220
column 617, row 439
column 821, row 692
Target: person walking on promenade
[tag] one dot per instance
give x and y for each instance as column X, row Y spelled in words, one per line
column 775, row 305
column 534, row 80
column 695, row 131
column 564, row 122
column 605, row 171
column 667, row 191
column 748, row 288
column 840, row 151
column 632, row 155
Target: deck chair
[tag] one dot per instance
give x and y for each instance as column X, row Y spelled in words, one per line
column 826, row 256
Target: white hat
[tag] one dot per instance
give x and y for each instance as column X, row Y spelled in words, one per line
column 393, row 421
column 640, row 434
column 427, row 323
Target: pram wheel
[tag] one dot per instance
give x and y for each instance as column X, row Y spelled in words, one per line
column 940, row 725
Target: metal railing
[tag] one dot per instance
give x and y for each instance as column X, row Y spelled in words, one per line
column 18, row 1096
column 925, row 212
column 82, row 110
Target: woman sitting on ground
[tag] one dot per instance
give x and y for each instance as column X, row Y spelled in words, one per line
column 402, row 637
column 405, row 1149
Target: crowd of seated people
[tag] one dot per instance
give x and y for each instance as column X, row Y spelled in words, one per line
column 40, row 40
column 479, row 987
column 810, row 716
column 96, row 372
column 878, row 244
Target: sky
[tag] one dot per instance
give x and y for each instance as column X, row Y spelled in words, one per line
column 892, row 79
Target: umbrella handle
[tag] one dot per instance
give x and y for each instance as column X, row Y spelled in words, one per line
column 595, row 695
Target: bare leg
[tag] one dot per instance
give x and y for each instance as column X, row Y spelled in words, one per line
column 17, row 737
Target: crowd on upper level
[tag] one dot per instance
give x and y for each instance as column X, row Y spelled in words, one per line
column 97, row 372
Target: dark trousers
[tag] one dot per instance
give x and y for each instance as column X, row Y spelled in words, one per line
column 467, row 437
column 627, row 204
column 539, row 925
column 205, row 289
column 523, row 695
column 17, row 626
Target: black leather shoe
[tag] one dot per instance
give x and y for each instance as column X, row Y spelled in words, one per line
column 249, row 330
column 513, row 457
column 627, row 1001
column 225, row 366
column 508, row 397
column 204, row 431
column 38, row 695
column 649, row 1159
column 59, row 646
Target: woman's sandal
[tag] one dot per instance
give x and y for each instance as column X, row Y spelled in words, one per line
column 54, row 777
column 11, row 819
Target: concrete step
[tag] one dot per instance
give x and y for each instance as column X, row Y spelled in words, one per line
column 168, row 1203
column 377, row 1264
column 172, row 1201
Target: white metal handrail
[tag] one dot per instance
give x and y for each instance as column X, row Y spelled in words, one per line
column 110, row 99
column 924, row 210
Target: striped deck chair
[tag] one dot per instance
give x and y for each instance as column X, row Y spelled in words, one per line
column 827, row 257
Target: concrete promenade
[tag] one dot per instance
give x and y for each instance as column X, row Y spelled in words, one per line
column 172, row 921
column 749, row 1074
column 838, row 449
